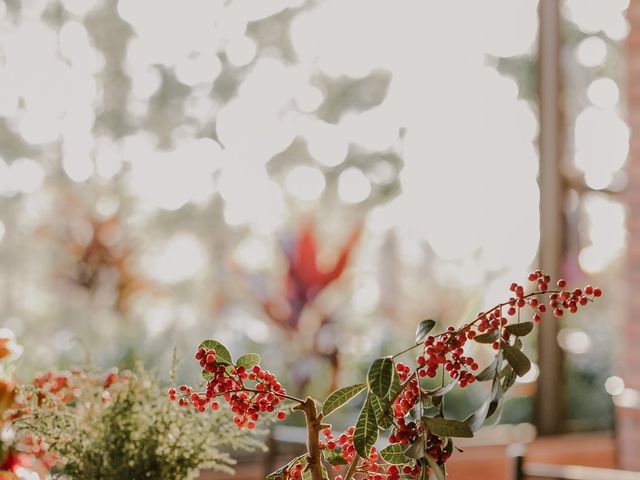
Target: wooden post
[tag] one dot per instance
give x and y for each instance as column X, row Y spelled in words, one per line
column 549, row 405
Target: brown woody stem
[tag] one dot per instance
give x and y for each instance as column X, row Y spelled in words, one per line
column 314, row 427
column 352, row 467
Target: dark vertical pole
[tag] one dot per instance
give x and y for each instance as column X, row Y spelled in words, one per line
column 549, row 411
column 518, row 468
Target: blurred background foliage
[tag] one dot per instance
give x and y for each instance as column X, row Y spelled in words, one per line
column 305, row 178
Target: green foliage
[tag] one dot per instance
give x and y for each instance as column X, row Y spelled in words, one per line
column 131, row 431
column 222, row 353
column 380, row 376
column 341, row 397
column 489, row 337
column 424, row 327
column 518, row 360
column 446, row 427
column 520, row 329
column 248, row 360
column 401, row 401
column 395, row 454
column 334, row 457
column 366, row 432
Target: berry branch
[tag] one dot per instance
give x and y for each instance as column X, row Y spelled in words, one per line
column 420, row 437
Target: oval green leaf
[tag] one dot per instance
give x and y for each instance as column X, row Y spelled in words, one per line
column 509, row 380
column 341, row 397
column 477, row 418
column 518, row 360
column 334, row 457
column 488, row 337
column 366, row 432
column 437, row 470
column 416, row 449
column 279, row 474
column 222, row 353
column 380, row 376
column 440, row 391
column 424, row 327
column 520, row 329
column 248, row 360
column 490, row 371
column 394, row 454
column 445, row 427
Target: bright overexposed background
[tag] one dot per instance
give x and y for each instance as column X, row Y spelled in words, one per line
column 156, row 157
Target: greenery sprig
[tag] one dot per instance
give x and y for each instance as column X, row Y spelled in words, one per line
column 119, row 425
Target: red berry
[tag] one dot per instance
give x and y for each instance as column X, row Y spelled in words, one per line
column 281, row 415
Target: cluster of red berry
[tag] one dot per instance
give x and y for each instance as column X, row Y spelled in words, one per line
column 449, row 352
column 369, row 466
column 67, row 387
column 558, row 300
column 436, row 448
column 394, row 472
column 228, row 383
column 445, row 352
column 343, row 444
column 406, row 400
column 447, row 348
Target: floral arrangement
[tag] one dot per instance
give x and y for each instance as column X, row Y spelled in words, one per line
column 92, row 425
column 22, row 455
column 398, row 399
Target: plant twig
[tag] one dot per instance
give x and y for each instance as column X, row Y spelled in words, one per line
column 314, row 427
column 352, row 467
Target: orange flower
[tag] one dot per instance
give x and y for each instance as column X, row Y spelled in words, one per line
column 7, row 393
column 4, row 348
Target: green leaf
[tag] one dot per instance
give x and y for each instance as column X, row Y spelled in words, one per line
column 341, row 397
column 222, row 353
column 394, row 454
column 380, row 376
column 334, row 457
column 424, row 327
column 248, row 361
column 439, row 392
column 279, row 474
column 488, row 337
column 437, row 470
column 489, row 372
column 385, row 418
column 445, row 427
column 206, row 376
column 416, row 449
column 477, row 418
column 518, row 360
column 366, row 432
column 394, row 392
column 518, row 343
column 520, row 329
column 377, row 407
column 509, row 380
column 306, row 473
